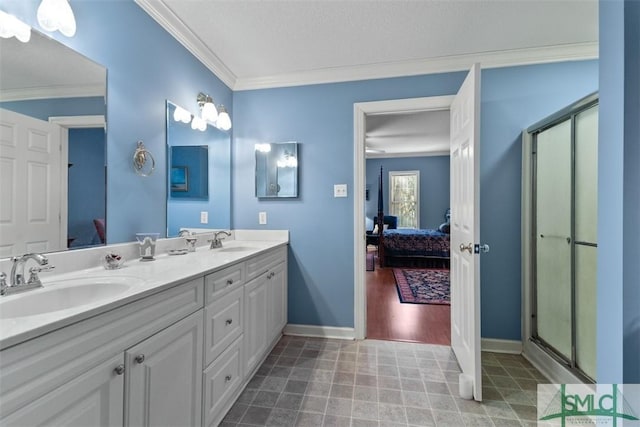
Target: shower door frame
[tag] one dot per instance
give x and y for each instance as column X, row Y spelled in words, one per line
column 530, row 242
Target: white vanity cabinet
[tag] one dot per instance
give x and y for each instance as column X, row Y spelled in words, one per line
column 76, row 375
column 266, row 304
column 163, row 377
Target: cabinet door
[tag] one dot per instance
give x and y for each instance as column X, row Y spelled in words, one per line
column 94, row 398
column 277, row 303
column 255, row 296
column 164, row 377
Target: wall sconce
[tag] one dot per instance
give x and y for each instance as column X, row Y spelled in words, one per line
column 10, row 26
column 57, row 15
column 208, row 114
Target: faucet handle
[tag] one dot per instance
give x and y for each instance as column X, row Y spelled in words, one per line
column 33, row 273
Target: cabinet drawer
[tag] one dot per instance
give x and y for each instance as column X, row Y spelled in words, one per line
column 221, row 380
column 224, row 321
column 261, row 263
column 224, row 280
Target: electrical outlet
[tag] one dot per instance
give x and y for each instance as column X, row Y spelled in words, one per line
column 204, row 217
column 262, row 218
column 340, row 190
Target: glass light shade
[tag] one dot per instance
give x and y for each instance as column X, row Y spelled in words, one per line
column 57, row 15
column 195, row 123
column 209, row 112
column 181, row 115
column 224, row 121
column 10, row 26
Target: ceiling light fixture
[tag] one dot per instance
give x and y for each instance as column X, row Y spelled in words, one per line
column 57, row 15
column 10, row 26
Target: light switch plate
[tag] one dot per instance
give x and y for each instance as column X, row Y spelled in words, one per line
column 340, row 190
column 204, row 217
column 262, row 218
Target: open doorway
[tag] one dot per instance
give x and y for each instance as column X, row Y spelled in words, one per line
column 380, row 312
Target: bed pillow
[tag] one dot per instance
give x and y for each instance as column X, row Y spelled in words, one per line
column 444, row 227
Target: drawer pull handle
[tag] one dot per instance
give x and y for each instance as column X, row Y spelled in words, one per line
column 227, row 378
column 119, row 370
column 229, row 282
column 229, row 321
column 139, row 358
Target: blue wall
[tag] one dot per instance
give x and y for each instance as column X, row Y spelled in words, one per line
column 320, row 117
column 87, row 181
column 618, row 319
column 434, row 186
column 146, row 66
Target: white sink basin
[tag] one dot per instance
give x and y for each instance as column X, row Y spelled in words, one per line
column 64, row 295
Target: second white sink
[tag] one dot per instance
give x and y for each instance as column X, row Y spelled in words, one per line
column 65, row 295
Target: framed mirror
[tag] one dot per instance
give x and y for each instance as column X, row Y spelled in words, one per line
column 52, row 111
column 199, row 176
column 277, row 170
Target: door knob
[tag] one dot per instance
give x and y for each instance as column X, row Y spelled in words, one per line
column 468, row 247
column 139, row 358
column 484, row 248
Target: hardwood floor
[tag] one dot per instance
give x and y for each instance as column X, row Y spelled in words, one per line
column 389, row 319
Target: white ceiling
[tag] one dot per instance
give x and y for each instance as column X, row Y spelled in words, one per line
column 252, row 44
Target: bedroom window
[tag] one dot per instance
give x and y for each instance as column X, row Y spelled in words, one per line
column 404, row 197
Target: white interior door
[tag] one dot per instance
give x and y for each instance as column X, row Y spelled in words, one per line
column 30, row 190
column 465, row 229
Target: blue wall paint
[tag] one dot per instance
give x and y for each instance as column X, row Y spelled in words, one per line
column 618, row 327
column 434, row 186
column 145, row 67
column 320, row 117
column 631, row 293
column 87, row 181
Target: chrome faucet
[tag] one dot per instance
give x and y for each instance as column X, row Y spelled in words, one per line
column 189, row 238
column 184, row 233
column 17, row 279
column 216, row 242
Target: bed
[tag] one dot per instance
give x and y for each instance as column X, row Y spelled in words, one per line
column 406, row 247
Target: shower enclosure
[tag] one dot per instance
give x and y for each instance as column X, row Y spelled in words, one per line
column 563, row 236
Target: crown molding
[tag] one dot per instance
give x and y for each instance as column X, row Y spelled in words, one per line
column 164, row 16
column 49, row 92
column 168, row 20
column 498, row 59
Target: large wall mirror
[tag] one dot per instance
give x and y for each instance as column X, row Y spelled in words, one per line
column 51, row 198
column 277, row 170
column 199, row 176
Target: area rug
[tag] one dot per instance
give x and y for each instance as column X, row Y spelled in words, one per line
column 371, row 263
column 423, row 286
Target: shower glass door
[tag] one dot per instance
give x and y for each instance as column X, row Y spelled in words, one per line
column 553, row 238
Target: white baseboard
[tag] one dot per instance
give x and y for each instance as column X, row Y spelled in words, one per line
column 495, row 345
column 320, row 331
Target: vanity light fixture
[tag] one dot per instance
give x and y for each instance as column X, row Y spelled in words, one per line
column 224, row 121
column 208, row 110
column 181, row 115
column 198, row 123
column 57, row 15
column 10, row 26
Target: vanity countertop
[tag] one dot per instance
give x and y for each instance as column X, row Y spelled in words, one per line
column 138, row 279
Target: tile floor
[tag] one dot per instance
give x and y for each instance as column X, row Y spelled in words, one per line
column 320, row 382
